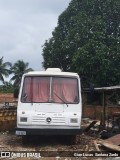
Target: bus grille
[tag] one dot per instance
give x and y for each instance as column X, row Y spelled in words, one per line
column 42, row 120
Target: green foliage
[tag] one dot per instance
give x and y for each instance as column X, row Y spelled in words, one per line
column 87, row 41
column 4, row 70
column 18, row 69
column 7, row 87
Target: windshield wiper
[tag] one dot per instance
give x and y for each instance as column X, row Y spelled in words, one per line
column 61, row 99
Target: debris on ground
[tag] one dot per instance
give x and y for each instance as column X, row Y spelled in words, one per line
column 90, row 126
column 112, row 142
column 96, row 145
column 88, row 141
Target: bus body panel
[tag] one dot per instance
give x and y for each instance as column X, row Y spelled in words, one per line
column 36, row 118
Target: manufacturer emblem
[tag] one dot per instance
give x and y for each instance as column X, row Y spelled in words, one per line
column 48, row 119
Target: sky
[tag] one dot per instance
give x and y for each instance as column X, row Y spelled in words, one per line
column 24, row 27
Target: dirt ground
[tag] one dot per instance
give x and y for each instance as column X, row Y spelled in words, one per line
column 53, row 147
column 50, row 146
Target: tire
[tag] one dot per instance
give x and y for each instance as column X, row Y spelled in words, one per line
column 25, row 140
column 72, row 139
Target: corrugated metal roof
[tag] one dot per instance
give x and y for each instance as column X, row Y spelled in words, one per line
column 108, row 88
column 102, row 88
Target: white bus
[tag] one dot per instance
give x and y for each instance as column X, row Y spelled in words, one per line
column 49, row 103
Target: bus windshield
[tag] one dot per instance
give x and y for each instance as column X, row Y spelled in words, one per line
column 39, row 89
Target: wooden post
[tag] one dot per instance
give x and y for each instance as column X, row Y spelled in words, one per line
column 104, row 110
column 102, row 121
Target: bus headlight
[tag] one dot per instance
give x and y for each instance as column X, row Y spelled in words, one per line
column 23, row 119
column 73, row 120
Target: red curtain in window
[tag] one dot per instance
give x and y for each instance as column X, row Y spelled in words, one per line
column 57, row 90
column 26, row 95
column 36, row 89
column 41, row 89
column 69, row 90
column 65, row 89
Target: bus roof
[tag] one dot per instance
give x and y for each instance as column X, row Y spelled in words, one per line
column 51, row 72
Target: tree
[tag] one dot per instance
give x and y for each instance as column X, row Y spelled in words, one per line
column 87, row 41
column 7, row 87
column 4, row 69
column 18, row 69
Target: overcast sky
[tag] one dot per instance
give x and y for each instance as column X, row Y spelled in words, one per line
column 24, row 27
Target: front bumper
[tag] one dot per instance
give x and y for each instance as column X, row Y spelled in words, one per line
column 29, row 131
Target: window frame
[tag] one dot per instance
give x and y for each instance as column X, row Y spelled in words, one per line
column 50, row 88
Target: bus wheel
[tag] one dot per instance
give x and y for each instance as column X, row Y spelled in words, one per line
column 74, row 139
column 25, row 139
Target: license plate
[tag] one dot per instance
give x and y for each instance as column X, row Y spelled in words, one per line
column 20, row 132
